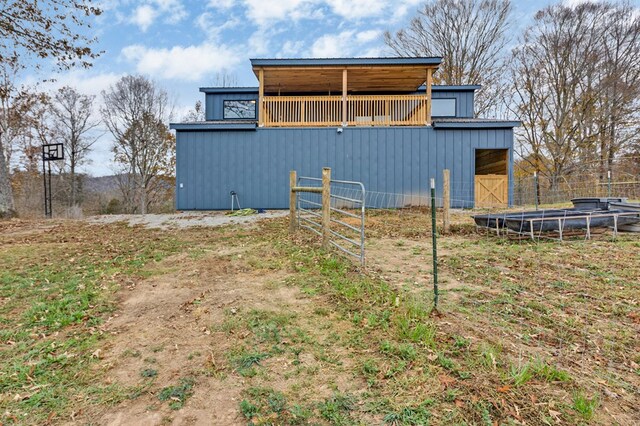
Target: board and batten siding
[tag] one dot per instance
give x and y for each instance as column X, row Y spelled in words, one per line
column 464, row 101
column 256, row 164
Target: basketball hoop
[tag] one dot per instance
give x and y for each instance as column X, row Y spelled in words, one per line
column 50, row 152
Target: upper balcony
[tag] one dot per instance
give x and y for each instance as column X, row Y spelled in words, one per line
column 344, row 92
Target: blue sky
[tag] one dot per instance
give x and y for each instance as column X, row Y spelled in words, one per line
column 186, row 44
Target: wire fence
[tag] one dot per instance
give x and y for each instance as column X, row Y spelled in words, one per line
column 525, row 193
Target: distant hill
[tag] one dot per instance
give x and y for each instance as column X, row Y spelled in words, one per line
column 101, row 184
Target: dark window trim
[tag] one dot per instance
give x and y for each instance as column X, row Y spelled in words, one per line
column 455, row 107
column 224, row 109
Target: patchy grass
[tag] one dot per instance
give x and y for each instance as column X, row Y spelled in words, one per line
column 522, row 328
column 57, row 288
column 177, row 394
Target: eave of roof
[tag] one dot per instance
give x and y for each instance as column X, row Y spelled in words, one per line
column 229, row 89
column 215, row 125
column 315, row 62
column 435, row 88
column 473, row 123
column 452, row 88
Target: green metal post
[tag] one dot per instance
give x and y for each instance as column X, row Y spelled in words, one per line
column 434, row 243
column 535, row 188
column 609, row 183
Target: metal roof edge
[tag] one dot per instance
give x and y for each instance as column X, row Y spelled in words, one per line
column 252, row 125
column 470, row 124
column 266, row 62
column 451, row 88
column 229, row 89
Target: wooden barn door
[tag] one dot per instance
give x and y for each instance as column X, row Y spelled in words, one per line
column 491, row 178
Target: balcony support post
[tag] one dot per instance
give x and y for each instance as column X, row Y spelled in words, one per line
column 261, row 98
column 344, row 97
column 427, row 91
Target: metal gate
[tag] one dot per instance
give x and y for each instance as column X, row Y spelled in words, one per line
column 338, row 219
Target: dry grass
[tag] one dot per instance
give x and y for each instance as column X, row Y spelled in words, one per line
column 267, row 329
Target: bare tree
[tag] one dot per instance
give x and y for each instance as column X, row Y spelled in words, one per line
column 15, row 113
column 135, row 112
column 470, row 35
column 574, row 96
column 40, row 30
column 617, row 79
column 46, row 30
column 196, row 114
column 72, row 117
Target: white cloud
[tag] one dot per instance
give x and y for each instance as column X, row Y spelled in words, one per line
column 266, row 13
column 291, row 49
column 189, row 63
column 144, row 16
column 173, row 10
column 368, row 35
column 334, row 45
column 221, row 4
column 207, row 23
column 356, row 9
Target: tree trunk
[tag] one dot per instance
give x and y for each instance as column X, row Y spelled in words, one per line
column 6, row 193
column 72, row 172
column 143, row 196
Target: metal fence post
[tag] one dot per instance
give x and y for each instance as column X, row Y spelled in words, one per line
column 535, row 188
column 326, row 205
column 434, row 243
column 609, row 183
column 292, row 201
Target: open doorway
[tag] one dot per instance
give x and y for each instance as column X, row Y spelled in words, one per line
column 492, row 178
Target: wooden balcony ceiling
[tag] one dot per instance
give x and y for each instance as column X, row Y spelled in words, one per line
column 321, row 76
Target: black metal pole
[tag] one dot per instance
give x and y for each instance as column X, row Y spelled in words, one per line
column 44, row 181
column 50, row 195
column 434, row 243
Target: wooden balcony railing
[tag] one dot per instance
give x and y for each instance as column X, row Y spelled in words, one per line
column 293, row 111
column 392, row 110
column 361, row 110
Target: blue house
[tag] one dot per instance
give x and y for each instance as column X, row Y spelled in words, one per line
column 380, row 121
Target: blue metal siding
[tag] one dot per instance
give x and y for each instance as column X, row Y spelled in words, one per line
column 464, row 101
column 214, row 103
column 256, row 164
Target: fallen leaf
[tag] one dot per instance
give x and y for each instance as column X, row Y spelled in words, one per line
column 446, row 380
column 504, row 388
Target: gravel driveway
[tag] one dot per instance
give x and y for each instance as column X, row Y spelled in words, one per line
column 185, row 219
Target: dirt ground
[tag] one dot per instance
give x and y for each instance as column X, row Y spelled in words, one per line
column 222, row 320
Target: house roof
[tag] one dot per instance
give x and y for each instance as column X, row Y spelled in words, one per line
column 452, row 88
column 325, row 74
column 435, row 88
column 229, row 89
column 341, row 62
column 216, row 125
column 473, row 123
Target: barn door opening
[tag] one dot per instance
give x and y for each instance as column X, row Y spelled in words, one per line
column 492, row 178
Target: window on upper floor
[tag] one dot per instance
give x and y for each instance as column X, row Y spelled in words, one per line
column 239, row 110
column 443, row 107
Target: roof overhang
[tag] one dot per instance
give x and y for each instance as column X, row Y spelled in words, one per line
column 325, row 75
column 213, row 125
column 474, row 123
column 229, row 89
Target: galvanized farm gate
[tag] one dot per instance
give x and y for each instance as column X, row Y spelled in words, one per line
column 335, row 210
